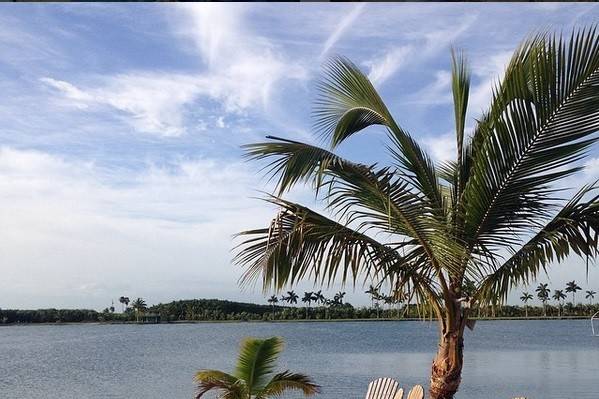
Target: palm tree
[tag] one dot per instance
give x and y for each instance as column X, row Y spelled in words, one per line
column 124, row 301
column 254, row 376
column 139, row 305
column 572, row 287
column 291, row 298
column 543, row 294
column 308, row 298
column 590, row 295
column 525, row 298
column 559, row 296
column 273, row 300
column 374, row 296
column 450, row 222
column 338, row 298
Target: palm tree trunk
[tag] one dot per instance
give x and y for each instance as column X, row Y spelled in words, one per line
column 446, row 373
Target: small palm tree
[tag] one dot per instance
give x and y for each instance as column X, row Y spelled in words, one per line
column 139, row 305
column 338, row 298
column 254, row 376
column 590, row 295
column 572, row 287
column 525, row 298
column 543, row 294
column 559, row 296
column 374, row 296
column 308, row 298
column 273, row 300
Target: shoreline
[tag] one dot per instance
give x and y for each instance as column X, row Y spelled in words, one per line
column 411, row 319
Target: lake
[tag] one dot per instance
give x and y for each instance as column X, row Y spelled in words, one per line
column 503, row 359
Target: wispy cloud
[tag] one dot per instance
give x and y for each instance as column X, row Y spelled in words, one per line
column 241, row 72
column 420, row 47
column 340, row 29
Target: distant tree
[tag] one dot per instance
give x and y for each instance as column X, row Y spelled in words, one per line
column 375, row 296
column 543, row 294
column 338, row 298
column 559, row 296
column 319, row 297
column 525, row 298
column 140, row 306
column 273, row 300
column 590, row 295
column 254, row 376
column 308, row 298
column 572, row 287
column 291, row 298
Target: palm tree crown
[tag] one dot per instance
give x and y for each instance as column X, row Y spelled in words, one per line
column 451, row 222
column 572, row 287
column 525, row 297
column 254, row 374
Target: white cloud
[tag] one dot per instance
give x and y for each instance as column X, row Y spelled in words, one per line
column 86, row 241
column 421, row 46
column 488, row 69
column 380, row 69
column 242, row 70
column 438, row 92
column 442, row 148
column 591, row 168
column 340, row 29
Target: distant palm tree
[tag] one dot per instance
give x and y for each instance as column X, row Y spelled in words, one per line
column 525, row 298
column 291, row 298
column 450, row 221
column 254, row 376
column 374, row 296
column 308, row 298
column 543, row 295
column 590, row 295
column 319, row 297
column 572, row 287
column 139, row 305
column 559, row 296
column 338, row 298
column 125, row 301
column 273, row 300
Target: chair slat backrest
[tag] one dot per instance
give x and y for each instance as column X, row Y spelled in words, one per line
column 399, row 394
column 416, row 393
column 382, row 388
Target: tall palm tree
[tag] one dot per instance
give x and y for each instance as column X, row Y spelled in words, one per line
column 273, row 300
column 139, row 305
column 590, row 295
column 543, row 294
column 572, row 287
column 450, row 222
column 525, row 298
column 308, row 298
column 375, row 296
column 254, row 376
column 559, row 296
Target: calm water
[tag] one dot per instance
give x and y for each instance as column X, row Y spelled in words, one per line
column 542, row 359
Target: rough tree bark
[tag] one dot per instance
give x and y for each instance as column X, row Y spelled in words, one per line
column 446, row 373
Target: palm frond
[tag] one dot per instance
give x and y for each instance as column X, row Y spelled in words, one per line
column 574, row 229
column 538, row 127
column 287, row 381
column 301, row 243
column 348, row 103
column 228, row 386
column 257, row 360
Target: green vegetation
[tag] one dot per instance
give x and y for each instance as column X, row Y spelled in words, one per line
column 460, row 234
column 254, row 374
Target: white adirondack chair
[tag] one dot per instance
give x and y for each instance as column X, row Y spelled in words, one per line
column 416, row 393
column 382, row 388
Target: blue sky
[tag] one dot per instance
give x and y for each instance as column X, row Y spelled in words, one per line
column 120, row 168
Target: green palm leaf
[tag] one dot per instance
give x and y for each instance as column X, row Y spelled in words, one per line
column 282, row 382
column 227, row 386
column 257, row 359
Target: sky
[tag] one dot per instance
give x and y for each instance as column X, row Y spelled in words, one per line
column 120, row 161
